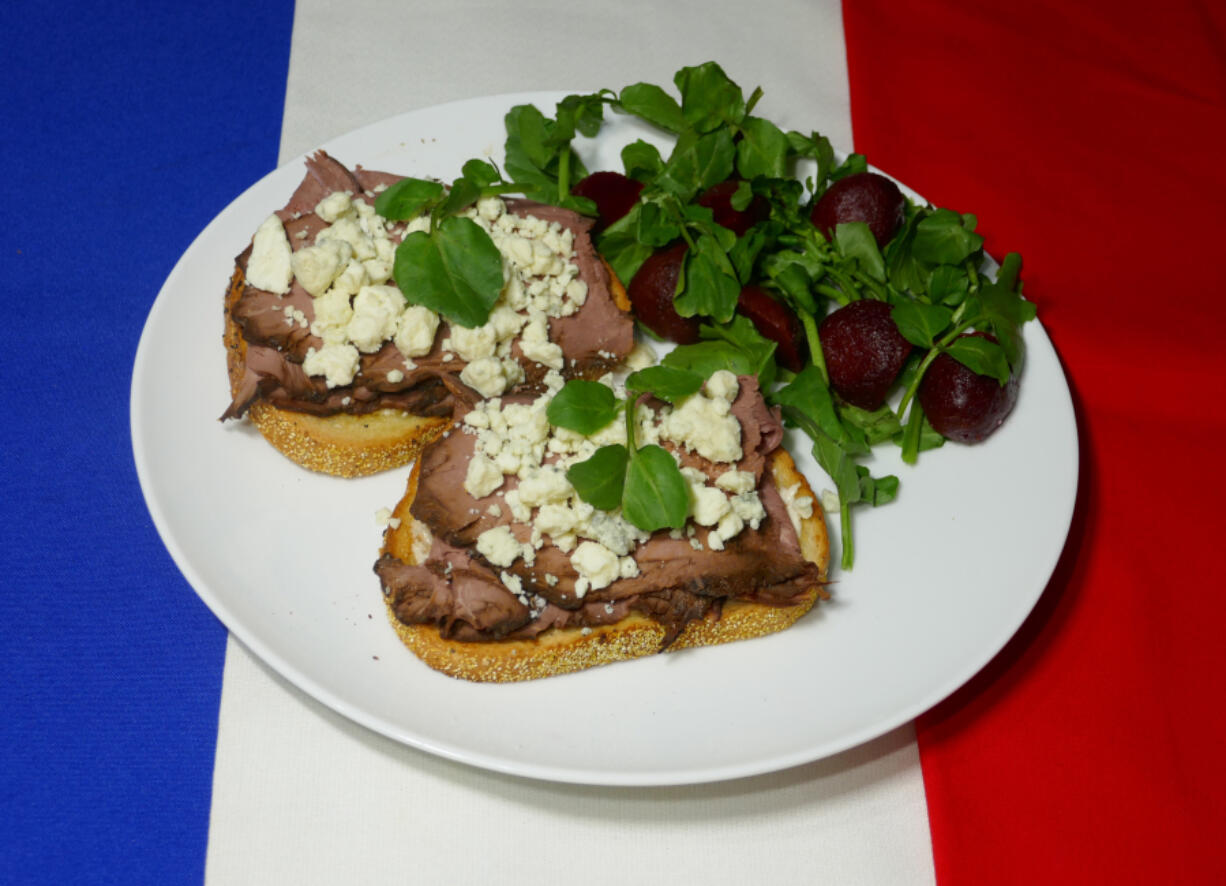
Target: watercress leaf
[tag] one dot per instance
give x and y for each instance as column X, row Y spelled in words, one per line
column 756, row 350
column 454, row 270
column 656, row 496
column 876, row 490
column 745, row 251
column 906, row 272
column 919, row 323
column 600, row 480
column 742, row 196
column 641, row 160
column 653, row 224
column 653, row 104
column 808, row 395
column 762, row 150
column 582, row 113
column 701, row 221
column 980, row 355
column 696, row 163
column 794, row 274
column 669, row 383
column 1005, row 310
column 581, row 205
column 706, row 357
column 839, row 464
column 538, row 154
column 942, row 238
column 948, row 285
column 464, row 192
column 527, row 138
column 711, row 287
column 582, row 406
column 816, row 147
column 853, row 164
column 854, row 240
column 620, row 246
column 408, row 198
column 708, row 98
column 480, row 172
column 877, row 426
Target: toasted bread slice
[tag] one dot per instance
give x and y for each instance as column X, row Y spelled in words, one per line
column 343, row 445
column 565, row 650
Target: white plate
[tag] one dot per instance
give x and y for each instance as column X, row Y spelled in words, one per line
column 943, row 577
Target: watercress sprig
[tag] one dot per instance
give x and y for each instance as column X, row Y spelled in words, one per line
column 644, row 481
column 454, row 268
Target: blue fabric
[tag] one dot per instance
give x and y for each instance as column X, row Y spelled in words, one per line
column 124, row 128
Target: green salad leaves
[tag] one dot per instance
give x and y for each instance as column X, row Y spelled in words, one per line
column 932, row 273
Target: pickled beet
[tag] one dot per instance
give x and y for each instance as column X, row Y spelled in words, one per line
column 866, row 197
column 651, row 292
column 718, row 198
column 613, row 193
column 776, row 321
column 961, row 404
column 864, row 352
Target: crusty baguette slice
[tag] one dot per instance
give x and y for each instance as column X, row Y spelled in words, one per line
column 342, row 445
column 561, row 651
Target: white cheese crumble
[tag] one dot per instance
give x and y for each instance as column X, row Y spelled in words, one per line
column 799, row 505
column 315, row 267
column 415, row 331
column 376, row 314
column 598, row 567
column 499, row 546
column 703, row 422
column 483, row 476
column 337, row 363
column 268, row 266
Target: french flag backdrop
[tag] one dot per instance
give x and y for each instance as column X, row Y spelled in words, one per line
column 1085, row 135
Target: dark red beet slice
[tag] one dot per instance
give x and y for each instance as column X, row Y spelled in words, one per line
column 776, row 321
column 866, row 197
column 718, row 198
column 614, row 193
column 962, row 405
column 864, row 352
column 651, row 294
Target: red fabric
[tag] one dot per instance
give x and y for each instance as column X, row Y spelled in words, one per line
column 1090, row 139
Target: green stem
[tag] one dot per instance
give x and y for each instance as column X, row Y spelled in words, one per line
column 753, row 100
column 876, row 286
column 832, row 292
column 632, row 445
column 958, row 328
column 847, row 287
column 911, row 435
column 564, row 173
column 849, row 546
column 816, row 357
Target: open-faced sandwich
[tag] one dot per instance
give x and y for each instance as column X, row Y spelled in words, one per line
column 345, row 375
column 497, row 565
